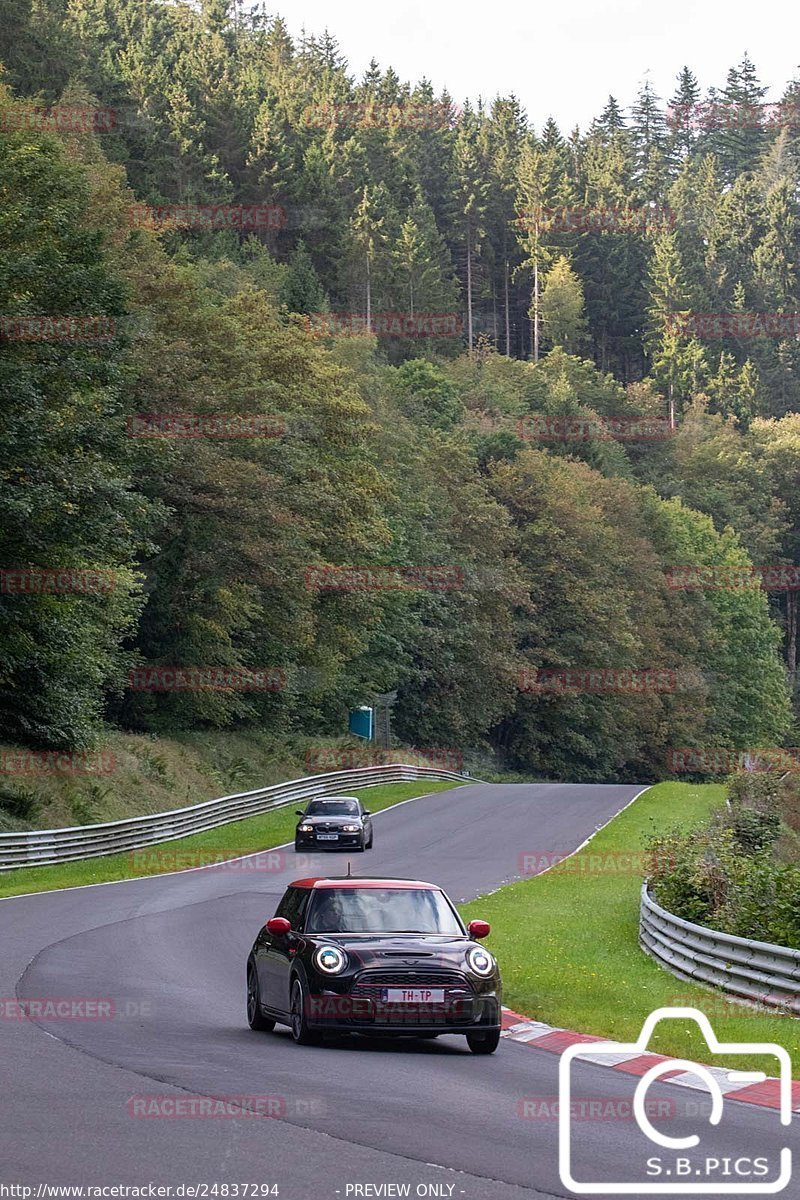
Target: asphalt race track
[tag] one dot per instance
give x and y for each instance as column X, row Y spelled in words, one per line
column 170, row 952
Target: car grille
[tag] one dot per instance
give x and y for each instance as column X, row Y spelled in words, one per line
column 457, row 1009
column 412, row 977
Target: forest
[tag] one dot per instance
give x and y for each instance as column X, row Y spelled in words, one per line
column 314, row 388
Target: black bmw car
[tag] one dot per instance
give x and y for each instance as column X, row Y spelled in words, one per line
column 375, row 956
column 335, row 823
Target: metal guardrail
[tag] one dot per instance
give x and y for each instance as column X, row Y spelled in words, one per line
column 754, row 971
column 44, row 847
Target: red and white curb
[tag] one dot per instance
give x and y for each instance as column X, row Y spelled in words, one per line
column 548, row 1037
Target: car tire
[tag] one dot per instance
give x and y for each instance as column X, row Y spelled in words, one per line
column 297, row 846
column 361, row 847
column 255, row 1018
column 302, row 1034
column 484, row 1043
column 371, row 840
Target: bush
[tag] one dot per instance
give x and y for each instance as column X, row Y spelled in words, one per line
column 21, row 805
column 726, row 874
column 755, row 831
column 784, row 924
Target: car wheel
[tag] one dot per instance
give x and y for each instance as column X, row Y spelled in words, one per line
column 361, row 847
column 301, row 1033
column 297, row 846
column 371, row 840
column 484, row 1043
column 255, row 1017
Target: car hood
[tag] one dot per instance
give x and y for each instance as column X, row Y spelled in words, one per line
column 347, row 820
column 399, row 950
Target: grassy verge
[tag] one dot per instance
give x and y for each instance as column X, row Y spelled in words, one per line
column 243, row 837
column 568, row 945
column 144, row 773
column 137, row 774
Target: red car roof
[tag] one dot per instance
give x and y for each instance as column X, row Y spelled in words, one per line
column 321, row 881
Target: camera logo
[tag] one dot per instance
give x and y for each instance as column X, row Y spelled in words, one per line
column 675, row 1170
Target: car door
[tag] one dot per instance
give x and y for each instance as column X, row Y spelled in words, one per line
column 367, row 826
column 263, row 949
column 279, row 951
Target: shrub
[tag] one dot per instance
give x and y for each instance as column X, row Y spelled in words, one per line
column 726, row 873
column 20, row 805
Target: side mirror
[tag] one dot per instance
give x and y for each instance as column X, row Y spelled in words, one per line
column 278, row 926
column 365, row 812
column 298, row 812
column 479, row 929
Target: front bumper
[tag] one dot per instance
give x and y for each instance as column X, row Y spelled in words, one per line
column 318, row 843
column 365, row 1014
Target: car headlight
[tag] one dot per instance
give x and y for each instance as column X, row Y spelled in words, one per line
column 330, row 959
column 306, row 829
column 480, row 960
column 350, row 828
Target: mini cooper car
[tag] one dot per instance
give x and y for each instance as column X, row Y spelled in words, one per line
column 373, row 956
column 335, row 823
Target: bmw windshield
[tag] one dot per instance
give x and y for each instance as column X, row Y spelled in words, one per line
column 332, row 808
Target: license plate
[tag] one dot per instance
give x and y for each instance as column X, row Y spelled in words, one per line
column 415, row 995
column 327, row 837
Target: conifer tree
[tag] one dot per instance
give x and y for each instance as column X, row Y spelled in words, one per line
column 472, row 188
column 301, row 290
column 683, row 116
column 563, row 321
column 740, row 140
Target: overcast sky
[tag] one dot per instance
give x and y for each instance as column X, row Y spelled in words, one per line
column 562, row 58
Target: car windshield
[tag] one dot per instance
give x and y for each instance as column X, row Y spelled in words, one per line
column 381, row 910
column 332, row 808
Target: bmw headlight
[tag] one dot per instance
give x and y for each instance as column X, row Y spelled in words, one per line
column 306, row 829
column 480, row 960
column 350, row 828
column 330, row 960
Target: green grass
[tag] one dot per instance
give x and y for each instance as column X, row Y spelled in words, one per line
column 149, row 773
column 567, row 942
column 229, row 841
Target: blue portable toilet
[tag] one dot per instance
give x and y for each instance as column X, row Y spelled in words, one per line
column 361, row 722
